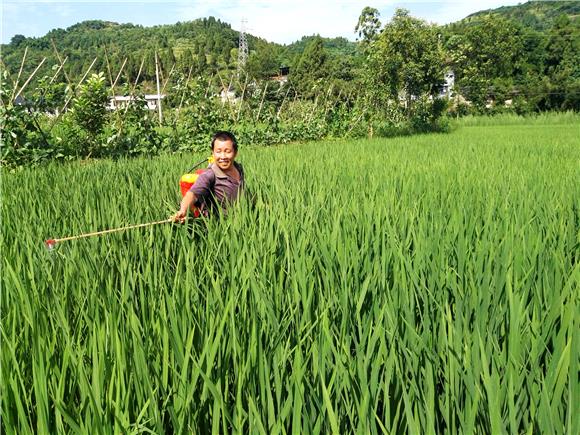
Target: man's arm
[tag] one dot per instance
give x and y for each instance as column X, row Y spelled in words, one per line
column 186, row 202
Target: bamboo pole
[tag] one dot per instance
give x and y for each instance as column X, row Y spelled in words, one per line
column 332, row 106
column 131, row 95
column 223, row 86
column 60, row 60
column 166, row 81
column 328, row 96
column 262, row 102
column 30, row 78
column 182, row 97
column 109, row 71
column 158, row 89
column 283, row 100
column 226, row 90
column 313, row 109
column 58, row 70
column 354, row 124
column 19, row 74
column 119, row 75
column 71, row 97
column 34, row 116
column 242, row 99
column 80, row 81
column 208, row 85
column 113, row 83
column 178, row 114
column 138, row 76
column 132, row 91
column 230, row 84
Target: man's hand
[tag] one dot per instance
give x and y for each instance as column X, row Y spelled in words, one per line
column 186, row 202
column 180, row 216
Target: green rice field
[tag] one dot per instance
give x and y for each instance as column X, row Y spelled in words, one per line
column 426, row 284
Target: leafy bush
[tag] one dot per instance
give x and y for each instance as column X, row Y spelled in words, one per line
column 426, row 115
column 89, row 108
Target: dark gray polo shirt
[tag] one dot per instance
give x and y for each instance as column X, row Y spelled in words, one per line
column 216, row 187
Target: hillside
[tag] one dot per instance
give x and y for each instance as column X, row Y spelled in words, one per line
column 334, row 46
column 539, row 15
column 206, row 44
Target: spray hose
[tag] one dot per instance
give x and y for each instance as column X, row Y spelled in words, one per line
column 201, row 162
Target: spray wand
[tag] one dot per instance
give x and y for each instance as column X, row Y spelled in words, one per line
column 51, row 243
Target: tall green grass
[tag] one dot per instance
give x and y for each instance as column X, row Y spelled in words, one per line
column 425, row 284
column 544, row 118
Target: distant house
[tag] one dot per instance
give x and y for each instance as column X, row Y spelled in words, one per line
column 282, row 76
column 227, row 95
column 121, row 101
column 447, row 87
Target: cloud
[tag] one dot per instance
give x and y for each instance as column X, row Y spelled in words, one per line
column 283, row 22
column 447, row 12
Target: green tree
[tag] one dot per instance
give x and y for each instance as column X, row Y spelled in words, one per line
column 406, row 60
column 368, row 25
column 485, row 57
column 17, row 40
column 263, row 64
column 89, row 107
column 310, row 69
column 563, row 65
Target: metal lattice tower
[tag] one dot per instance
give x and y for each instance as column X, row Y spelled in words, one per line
column 243, row 48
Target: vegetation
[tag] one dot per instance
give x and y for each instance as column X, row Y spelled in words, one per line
column 424, row 284
column 499, row 56
column 266, row 114
column 538, row 15
column 390, row 83
column 404, row 63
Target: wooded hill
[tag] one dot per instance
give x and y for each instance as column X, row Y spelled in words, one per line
column 538, row 15
column 205, row 45
column 545, row 45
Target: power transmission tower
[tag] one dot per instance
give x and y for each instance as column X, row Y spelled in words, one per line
column 243, row 49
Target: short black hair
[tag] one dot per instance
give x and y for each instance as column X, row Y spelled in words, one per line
column 223, row 136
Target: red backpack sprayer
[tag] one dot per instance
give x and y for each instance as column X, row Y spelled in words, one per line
column 187, row 180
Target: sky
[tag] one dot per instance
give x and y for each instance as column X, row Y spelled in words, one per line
column 276, row 21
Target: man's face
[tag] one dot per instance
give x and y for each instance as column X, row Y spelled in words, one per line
column 224, row 154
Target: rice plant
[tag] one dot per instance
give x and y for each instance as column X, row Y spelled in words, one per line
column 421, row 285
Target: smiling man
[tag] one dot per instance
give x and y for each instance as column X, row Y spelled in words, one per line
column 221, row 184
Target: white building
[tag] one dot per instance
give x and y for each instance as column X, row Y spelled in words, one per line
column 447, row 88
column 228, row 96
column 121, row 101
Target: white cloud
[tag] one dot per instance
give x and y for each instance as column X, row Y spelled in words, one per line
column 449, row 11
column 282, row 22
column 285, row 22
